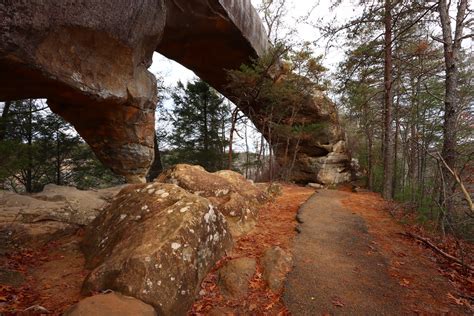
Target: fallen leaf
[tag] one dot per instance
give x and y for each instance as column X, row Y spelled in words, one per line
column 404, row 282
column 337, row 302
column 458, row 301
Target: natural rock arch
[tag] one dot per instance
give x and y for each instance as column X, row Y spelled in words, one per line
column 90, row 60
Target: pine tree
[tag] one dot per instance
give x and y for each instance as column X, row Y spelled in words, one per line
column 197, row 119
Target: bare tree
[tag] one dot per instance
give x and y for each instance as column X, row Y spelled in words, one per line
column 388, row 161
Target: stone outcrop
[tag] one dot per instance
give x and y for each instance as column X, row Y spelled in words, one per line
column 110, row 304
column 321, row 154
column 35, row 220
column 90, row 61
column 232, row 28
column 235, row 197
column 56, row 203
column 155, row 242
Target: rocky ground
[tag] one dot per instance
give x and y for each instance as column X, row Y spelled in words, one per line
column 350, row 253
column 55, row 254
column 249, row 281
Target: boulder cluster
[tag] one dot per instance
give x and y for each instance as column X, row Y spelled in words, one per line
column 154, row 242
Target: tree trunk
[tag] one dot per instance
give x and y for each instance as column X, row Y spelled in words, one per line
column 29, row 168
column 395, row 147
column 370, row 160
column 247, row 153
column 231, row 137
column 3, row 120
column 58, row 160
column 452, row 48
column 387, row 190
column 156, row 167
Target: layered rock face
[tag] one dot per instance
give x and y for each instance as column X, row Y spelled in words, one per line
column 320, row 155
column 232, row 28
column 90, row 61
column 238, row 35
column 233, row 196
column 156, row 243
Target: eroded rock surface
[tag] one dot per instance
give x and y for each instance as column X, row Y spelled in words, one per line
column 35, row 220
column 55, row 203
column 276, row 264
column 111, row 304
column 90, row 61
column 233, row 196
column 321, row 154
column 155, row 242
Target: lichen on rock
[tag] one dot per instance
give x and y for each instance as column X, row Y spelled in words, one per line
column 144, row 245
column 235, row 197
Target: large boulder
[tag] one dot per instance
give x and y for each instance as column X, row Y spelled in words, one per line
column 84, row 205
column 332, row 167
column 234, row 196
column 110, row 304
column 155, row 242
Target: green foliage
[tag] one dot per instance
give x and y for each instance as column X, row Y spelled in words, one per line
column 88, row 172
column 199, row 120
column 282, row 81
column 272, row 91
column 419, row 88
column 38, row 147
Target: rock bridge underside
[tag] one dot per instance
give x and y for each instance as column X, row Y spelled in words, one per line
column 89, row 59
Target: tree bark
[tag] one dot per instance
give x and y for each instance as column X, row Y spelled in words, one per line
column 231, row 137
column 156, row 167
column 3, row 120
column 58, row 159
column 387, row 190
column 452, row 47
column 29, row 137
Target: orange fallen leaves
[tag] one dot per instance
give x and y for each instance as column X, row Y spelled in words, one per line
column 275, row 227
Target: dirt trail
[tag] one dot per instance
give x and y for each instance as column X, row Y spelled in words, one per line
column 350, row 259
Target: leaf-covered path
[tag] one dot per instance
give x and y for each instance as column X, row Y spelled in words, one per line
column 352, row 259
